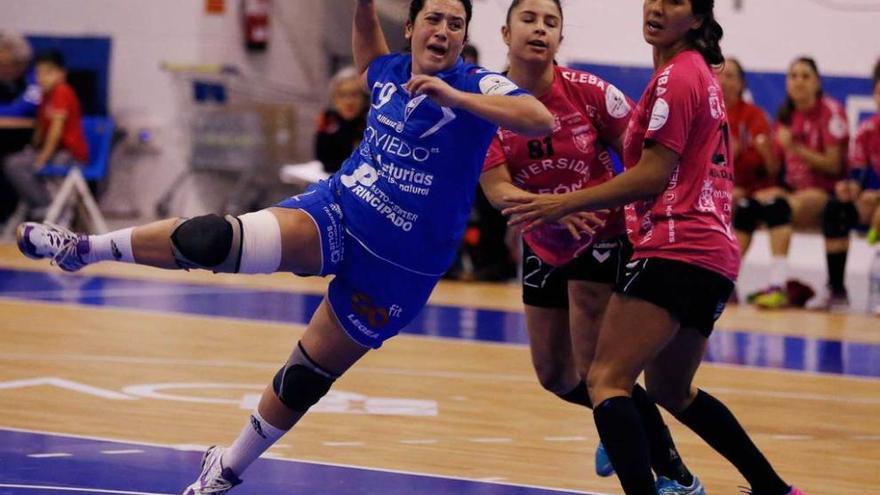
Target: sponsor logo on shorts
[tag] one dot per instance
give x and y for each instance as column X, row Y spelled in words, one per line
column 368, row 316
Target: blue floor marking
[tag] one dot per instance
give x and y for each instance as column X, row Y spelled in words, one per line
column 165, row 470
column 729, row 347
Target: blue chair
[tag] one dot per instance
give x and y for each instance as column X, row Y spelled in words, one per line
column 99, row 135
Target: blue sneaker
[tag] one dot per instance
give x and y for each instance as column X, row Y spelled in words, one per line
column 666, row 486
column 603, row 463
column 45, row 240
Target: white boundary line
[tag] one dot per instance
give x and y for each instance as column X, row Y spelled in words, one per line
column 303, row 461
column 71, row 489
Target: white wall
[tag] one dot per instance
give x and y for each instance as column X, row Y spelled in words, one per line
column 766, row 34
column 146, row 33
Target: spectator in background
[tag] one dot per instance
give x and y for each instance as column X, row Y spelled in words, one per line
column 811, row 139
column 470, row 54
column 860, row 194
column 485, row 240
column 58, row 136
column 19, row 92
column 19, row 98
column 755, row 165
column 341, row 126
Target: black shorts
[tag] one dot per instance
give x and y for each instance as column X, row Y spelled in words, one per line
column 546, row 286
column 693, row 295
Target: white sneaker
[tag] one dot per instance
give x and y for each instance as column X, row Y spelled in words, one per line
column 46, row 240
column 214, row 479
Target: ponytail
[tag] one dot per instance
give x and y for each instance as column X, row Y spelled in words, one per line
column 706, row 39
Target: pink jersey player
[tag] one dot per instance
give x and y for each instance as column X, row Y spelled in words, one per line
column 690, row 221
column 591, row 116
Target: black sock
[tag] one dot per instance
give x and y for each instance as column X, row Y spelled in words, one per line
column 714, row 423
column 836, row 271
column 578, row 395
column 665, row 460
column 620, row 428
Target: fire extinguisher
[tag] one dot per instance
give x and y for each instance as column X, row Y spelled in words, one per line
column 255, row 16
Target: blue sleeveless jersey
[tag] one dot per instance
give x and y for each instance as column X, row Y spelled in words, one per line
column 406, row 192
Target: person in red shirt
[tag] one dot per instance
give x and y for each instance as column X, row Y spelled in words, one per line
column 811, row 139
column 755, row 165
column 861, row 192
column 678, row 192
column 569, row 268
column 58, row 137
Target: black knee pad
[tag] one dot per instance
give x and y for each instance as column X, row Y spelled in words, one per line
column 209, row 242
column 747, row 215
column 777, row 213
column 300, row 384
column 838, row 219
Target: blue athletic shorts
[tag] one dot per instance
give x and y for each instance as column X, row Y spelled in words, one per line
column 373, row 298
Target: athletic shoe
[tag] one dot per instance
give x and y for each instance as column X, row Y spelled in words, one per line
column 833, row 301
column 215, row 479
column 603, row 462
column 666, row 486
column 46, row 240
column 792, row 491
column 798, row 293
column 773, row 297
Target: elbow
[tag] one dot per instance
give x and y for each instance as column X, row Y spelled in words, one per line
column 655, row 185
column 539, row 124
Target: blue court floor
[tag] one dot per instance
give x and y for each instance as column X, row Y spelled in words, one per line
column 727, row 345
column 42, row 464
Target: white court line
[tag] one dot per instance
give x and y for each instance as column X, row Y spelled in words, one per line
column 419, row 442
column 343, row 444
column 866, row 438
column 792, row 437
column 70, row 489
column 492, row 479
column 490, row 440
column 493, row 377
column 565, row 439
column 122, row 452
column 301, row 461
column 48, row 455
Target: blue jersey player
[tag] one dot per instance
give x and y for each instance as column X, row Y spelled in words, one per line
column 386, row 225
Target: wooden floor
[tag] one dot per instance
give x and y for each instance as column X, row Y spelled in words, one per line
column 493, row 421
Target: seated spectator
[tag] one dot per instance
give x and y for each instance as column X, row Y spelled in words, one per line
column 19, row 98
column 19, row 92
column 811, row 138
column 860, row 194
column 341, row 126
column 58, row 137
column 755, row 165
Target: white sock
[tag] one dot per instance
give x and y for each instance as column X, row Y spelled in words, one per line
column 115, row 246
column 255, row 438
column 778, row 270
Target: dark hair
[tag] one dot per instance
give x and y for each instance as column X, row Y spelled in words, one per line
column 416, row 6
column 706, row 39
column 787, row 109
column 515, row 3
column 877, row 73
column 51, row 57
column 471, row 51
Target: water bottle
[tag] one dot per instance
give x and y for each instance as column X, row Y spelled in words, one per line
column 874, row 285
